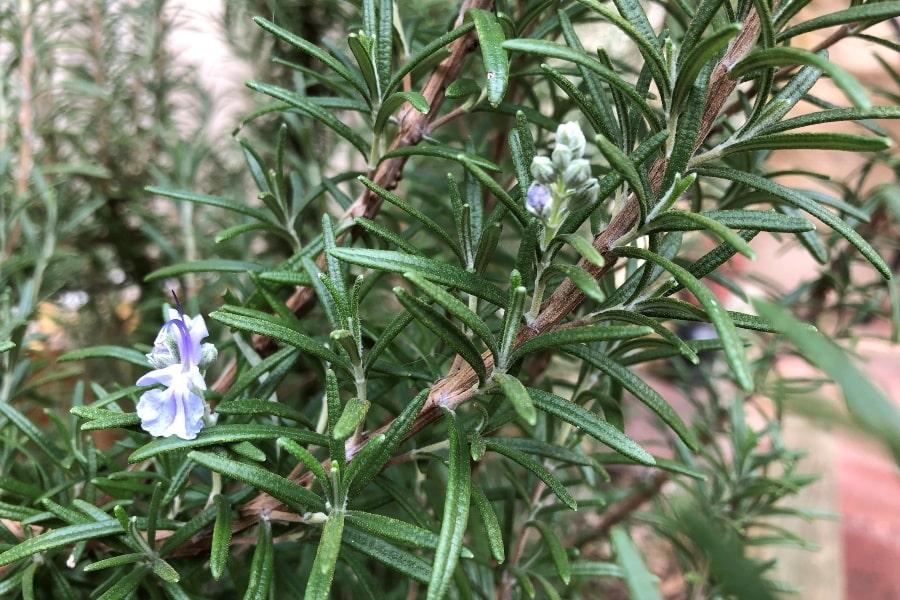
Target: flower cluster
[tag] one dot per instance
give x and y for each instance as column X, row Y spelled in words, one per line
column 561, row 181
column 180, row 360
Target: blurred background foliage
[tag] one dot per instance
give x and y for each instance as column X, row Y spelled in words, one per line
column 96, row 107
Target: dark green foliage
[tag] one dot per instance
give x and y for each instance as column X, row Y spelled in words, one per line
column 443, row 286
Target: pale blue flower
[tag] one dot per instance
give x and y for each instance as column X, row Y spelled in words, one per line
column 178, row 408
column 539, row 200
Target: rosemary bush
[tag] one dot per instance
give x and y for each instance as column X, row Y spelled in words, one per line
column 412, row 358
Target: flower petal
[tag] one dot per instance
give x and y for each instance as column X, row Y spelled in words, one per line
column 176, row 410
column 165, row 376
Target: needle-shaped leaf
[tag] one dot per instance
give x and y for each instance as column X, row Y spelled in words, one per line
column 621, row 163
column 395, row 101
column 446, row 274
column 557, row 550
column 758, row 220
column 702, row 221
column 636, row 318
column 639, row 389
column 308, row 460
column 553, row 50
column 780, row 56
column 225, row 434
column 352, row 416
column 584, row 247
column 314, row 111
column 493, row 55
column 318, row 586
column 396, row 530
column 810, row 141
column 262, row 323
column 456, row 511
column 385, row 552
column 445, row 152
column 579, row 335
column 641, row 582
column 798, row 200
column 412, row 211
column 316, row 52
column 695, row 59
column 262, row 566
column 441, row 326
column 491, row 524
column 517, row 395
column 583, row 280
column 874, row 11
column 731, row 341
column 59, row 537
column 259, row 407
column 221, row 537
column 455, row 307
column 427, row 53
column 536, row 468
column 292, row 494
column 591, row 424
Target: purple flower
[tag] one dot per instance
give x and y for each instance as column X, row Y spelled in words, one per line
column 178, row 408
column 538, row 200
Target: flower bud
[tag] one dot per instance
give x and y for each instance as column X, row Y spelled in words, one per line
column 586, row 193
column 578, row 171
column 562, row 156
column 208, row 355
column 542, row 170
column 570, row 135
column 539, row 201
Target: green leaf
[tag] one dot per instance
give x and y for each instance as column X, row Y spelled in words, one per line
column 6, row 346
column 666, row 464
column 369, row 465
column 444, row 329
column 536, row 468
column 125, row 587
column 798, row 200
column 621, row 163
column 757, row 220
column 731, row 342
column 783, row 57
column 446, row 274
column 545, row 449
column 316, row 52
column 512, row 204
column 427, row 221
column 114, row 352
column 115, row 561
column 262, row 323
column 553, row 50
column 455, row 307
column 591, row 424
column 225, row 434
column 491, row 524
column 40, row 439
column 292, row 494
column 456, row 512
column 221, row 537
column 835, row 114
column 702, row 221
column 352, row 416
column 583, row 280
column 557, row 550
column 442, row 152
column 493, row 55
column 579, row 335
column 397, row 531
column 314, row 111
column 810, row 141
column 257, row 407
column 401, row 560
column 583, row 247
column 641, row 583
column 661, row 330
column 59, row 537
column 262, row 567
column 318, row 587
column 387, row 235
column 874, row 11
column 867, row 404
column 517, row 395
column 306, row 457
column 395, row 101
column 212, row 265
column 218, row 202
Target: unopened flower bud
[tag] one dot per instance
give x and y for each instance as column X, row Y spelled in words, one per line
column 570, row 135
column 208, row 356
column 586, row 193
column 562, row 156
column 542, row 170
column 578, row 171
column 539, row 200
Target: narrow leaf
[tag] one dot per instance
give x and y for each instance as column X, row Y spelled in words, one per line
column 493, row 55
column 536, row 468
column 517, row 395
column 641, row 583
column 318, row 586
